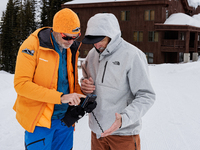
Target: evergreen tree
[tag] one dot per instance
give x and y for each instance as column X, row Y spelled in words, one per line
column 29, row 18
column 18, row 24
column 49, row 9
column 8, row 43
column 3, row 14
column 44, row 14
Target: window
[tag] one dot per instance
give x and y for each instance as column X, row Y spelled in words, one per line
column 149, row 15
column 137, row 36
column 152, row 14
column 153, row 36
column 182, row 36
column 181, row 55
column 167, row 14
column 125, row 15
column 198, row 37
column 149, row 57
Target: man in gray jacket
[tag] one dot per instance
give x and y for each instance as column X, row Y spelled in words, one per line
column 117, row 72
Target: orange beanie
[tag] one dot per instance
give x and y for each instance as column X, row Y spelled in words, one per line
column 66, row 21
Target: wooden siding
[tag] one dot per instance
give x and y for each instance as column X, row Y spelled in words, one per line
column 137, row 23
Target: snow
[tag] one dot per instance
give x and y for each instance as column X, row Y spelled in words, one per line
column 93, row 1
column 183, row 19
column 192, row 3
column 171, row 124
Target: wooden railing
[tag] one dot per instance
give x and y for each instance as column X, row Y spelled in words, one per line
column 173, row 43
column 172, row 46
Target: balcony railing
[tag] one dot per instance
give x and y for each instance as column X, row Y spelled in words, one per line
column 172, row 46
column 173, row 43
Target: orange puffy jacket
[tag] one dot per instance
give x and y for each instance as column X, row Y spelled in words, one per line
column 36, row 76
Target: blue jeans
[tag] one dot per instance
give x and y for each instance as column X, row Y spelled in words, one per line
column 58, row 137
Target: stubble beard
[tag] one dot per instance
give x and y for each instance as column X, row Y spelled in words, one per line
column 61, row 44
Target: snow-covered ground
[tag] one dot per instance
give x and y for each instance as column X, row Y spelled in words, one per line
column 173, row 123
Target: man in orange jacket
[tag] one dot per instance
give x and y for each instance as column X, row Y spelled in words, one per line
column 46, row 82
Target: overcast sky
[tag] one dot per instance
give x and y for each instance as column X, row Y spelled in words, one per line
column 3, row 6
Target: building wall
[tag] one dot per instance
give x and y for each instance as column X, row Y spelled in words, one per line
column 136, row 22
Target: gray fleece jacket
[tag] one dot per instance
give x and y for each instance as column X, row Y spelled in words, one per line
column 121, row 79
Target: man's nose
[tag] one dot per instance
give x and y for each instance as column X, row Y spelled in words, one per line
column 71, row 41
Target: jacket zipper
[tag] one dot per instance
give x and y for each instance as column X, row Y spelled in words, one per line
column 104, row 71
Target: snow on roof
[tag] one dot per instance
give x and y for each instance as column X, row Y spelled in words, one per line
column 183, row 19
column 192, row 3
column 93, row 1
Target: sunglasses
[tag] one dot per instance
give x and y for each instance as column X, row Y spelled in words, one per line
column 68, row 38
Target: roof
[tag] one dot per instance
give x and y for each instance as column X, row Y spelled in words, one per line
column 191, row 3
column 107, row 3
column 93, row 1
column 183, row 19
column 171, row 27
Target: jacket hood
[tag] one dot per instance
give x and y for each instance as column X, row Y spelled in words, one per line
column 105, row 24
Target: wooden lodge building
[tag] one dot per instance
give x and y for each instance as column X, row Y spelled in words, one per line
column 142, row 24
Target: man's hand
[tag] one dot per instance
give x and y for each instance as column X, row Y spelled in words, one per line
column 115, row 126
column 72, row 99
column 87, row 86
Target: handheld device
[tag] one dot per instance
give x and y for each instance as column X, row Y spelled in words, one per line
column 74, row 113
column 88, row 99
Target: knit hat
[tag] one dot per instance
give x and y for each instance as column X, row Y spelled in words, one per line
column 66, row 21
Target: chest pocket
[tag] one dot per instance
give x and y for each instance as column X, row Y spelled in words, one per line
column 112, row 75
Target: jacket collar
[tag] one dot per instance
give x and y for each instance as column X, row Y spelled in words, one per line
column 45, row 38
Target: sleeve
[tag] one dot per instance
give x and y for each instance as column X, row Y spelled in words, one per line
column 141, row 88
column 24, row 74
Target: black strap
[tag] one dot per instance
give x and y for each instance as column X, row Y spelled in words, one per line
column 97, row 122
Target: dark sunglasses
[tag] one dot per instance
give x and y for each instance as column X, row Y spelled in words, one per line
column 68, row 38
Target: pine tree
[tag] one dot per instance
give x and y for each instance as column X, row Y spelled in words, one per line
column 18, row 24
column 29, row 18
column 49, row 9
column 19, row 30
column 8, row 38
column 44, row 14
